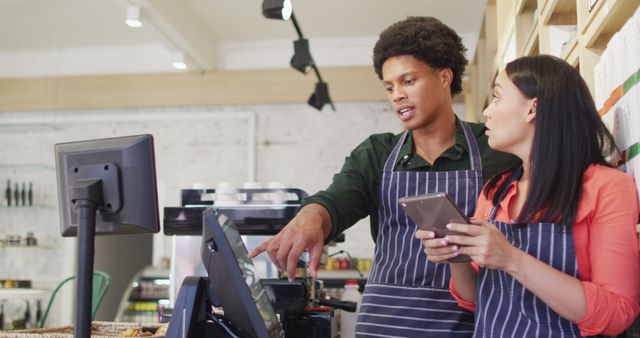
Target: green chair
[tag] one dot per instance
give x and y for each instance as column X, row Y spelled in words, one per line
column 101, row 282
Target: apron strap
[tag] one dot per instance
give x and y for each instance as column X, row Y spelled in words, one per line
column 514, row 177
column 393, row 157
column 474, row 152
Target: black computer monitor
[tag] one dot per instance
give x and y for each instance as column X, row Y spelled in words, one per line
column 234, row 279
column 105, row 186
column 126, row 167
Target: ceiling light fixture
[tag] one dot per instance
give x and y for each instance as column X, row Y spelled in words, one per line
column 301, row 59
column 133, row 17
column 179, row 61
column 277, row 9
column 320, row 96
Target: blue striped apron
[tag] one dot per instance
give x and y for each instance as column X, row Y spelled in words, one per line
column 407, row 295
column 504, row 307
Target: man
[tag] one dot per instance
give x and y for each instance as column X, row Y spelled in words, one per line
column 420, row 62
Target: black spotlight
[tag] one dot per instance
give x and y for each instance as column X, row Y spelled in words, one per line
column 320, row 96
column 301, row 59
column 277, row 9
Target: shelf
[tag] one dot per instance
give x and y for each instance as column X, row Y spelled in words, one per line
column 520, row 5
column 526, row 27
column 159, row 279
column 17, row 293
column 559, row 12
column 524, row 5
column 26, row 166
column 569, row 29
column 570, row 52
column 147, row 291
column 606, row 18
column 38, row 207
column 505, row 34
column 148, row 299
column 532, row 45
column 28, row 128
column 18, row 248
column 341, row 274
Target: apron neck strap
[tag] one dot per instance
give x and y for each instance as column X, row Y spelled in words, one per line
column 474, row 152
column 515, row 175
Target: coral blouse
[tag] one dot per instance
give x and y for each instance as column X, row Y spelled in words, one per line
column 606, row 245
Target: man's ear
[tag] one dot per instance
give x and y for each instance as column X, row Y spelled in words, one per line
column 533, row 109
column 446, row 76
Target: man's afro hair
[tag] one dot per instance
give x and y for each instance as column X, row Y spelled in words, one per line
column 426, row 39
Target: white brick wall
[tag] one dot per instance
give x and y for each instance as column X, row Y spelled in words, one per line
column 295, row 144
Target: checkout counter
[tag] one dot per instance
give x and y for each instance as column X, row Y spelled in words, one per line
column 201, row 269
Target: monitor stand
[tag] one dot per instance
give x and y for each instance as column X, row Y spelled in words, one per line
column 87, row 194
column 191, row 314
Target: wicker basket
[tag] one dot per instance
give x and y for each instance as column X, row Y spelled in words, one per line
column 98, row 330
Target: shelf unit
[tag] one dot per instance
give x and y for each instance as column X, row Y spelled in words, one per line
column 529, row 27
column 145, row 295
column 48, row 262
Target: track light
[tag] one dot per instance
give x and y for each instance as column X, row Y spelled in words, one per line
column 320, row 96
column 179, row 61
column 277, row 9
column 301, row 59
column 133, row 17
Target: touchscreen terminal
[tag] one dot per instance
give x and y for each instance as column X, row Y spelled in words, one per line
column 234, row 279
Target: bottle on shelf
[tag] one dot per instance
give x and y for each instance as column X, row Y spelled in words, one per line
column 1, row 316
column 16, row 195
column 38, row 312
column 348, row 319
column 30, row 194
column 23, row 194
column 27, row 316
column 30, row 240
column 7, row 194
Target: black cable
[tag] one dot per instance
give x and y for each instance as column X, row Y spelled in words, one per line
column 223, row 323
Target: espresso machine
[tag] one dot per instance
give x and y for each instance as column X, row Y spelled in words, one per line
column 302, row 307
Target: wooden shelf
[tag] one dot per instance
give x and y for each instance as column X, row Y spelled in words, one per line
column 532, row 46
column 558, row 12
column 521, row 5
column 606, row 18
column 526, row 27
column 570, row 52
column 508, row 23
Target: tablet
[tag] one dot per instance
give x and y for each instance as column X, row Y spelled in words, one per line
column 433, row 212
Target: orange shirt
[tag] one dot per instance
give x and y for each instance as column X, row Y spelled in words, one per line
column 606, row 248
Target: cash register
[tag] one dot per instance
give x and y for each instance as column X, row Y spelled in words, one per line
column 232, row 300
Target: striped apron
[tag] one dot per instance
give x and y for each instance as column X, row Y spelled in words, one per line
column 504, row 307
column 407, row 295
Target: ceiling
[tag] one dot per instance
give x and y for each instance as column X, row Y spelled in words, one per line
column 70, row 37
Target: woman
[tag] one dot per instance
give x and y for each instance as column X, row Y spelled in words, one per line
column 553, row 243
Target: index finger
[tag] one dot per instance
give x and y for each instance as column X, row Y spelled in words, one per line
column 259, row 249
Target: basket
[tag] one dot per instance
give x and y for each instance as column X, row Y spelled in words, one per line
column 98, row 330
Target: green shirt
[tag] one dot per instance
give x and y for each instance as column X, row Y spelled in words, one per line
column 354, row 193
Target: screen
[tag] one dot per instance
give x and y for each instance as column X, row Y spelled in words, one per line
column 125, row 166
column 234, row 278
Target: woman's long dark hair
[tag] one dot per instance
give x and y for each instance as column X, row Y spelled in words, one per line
column 569, row 136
